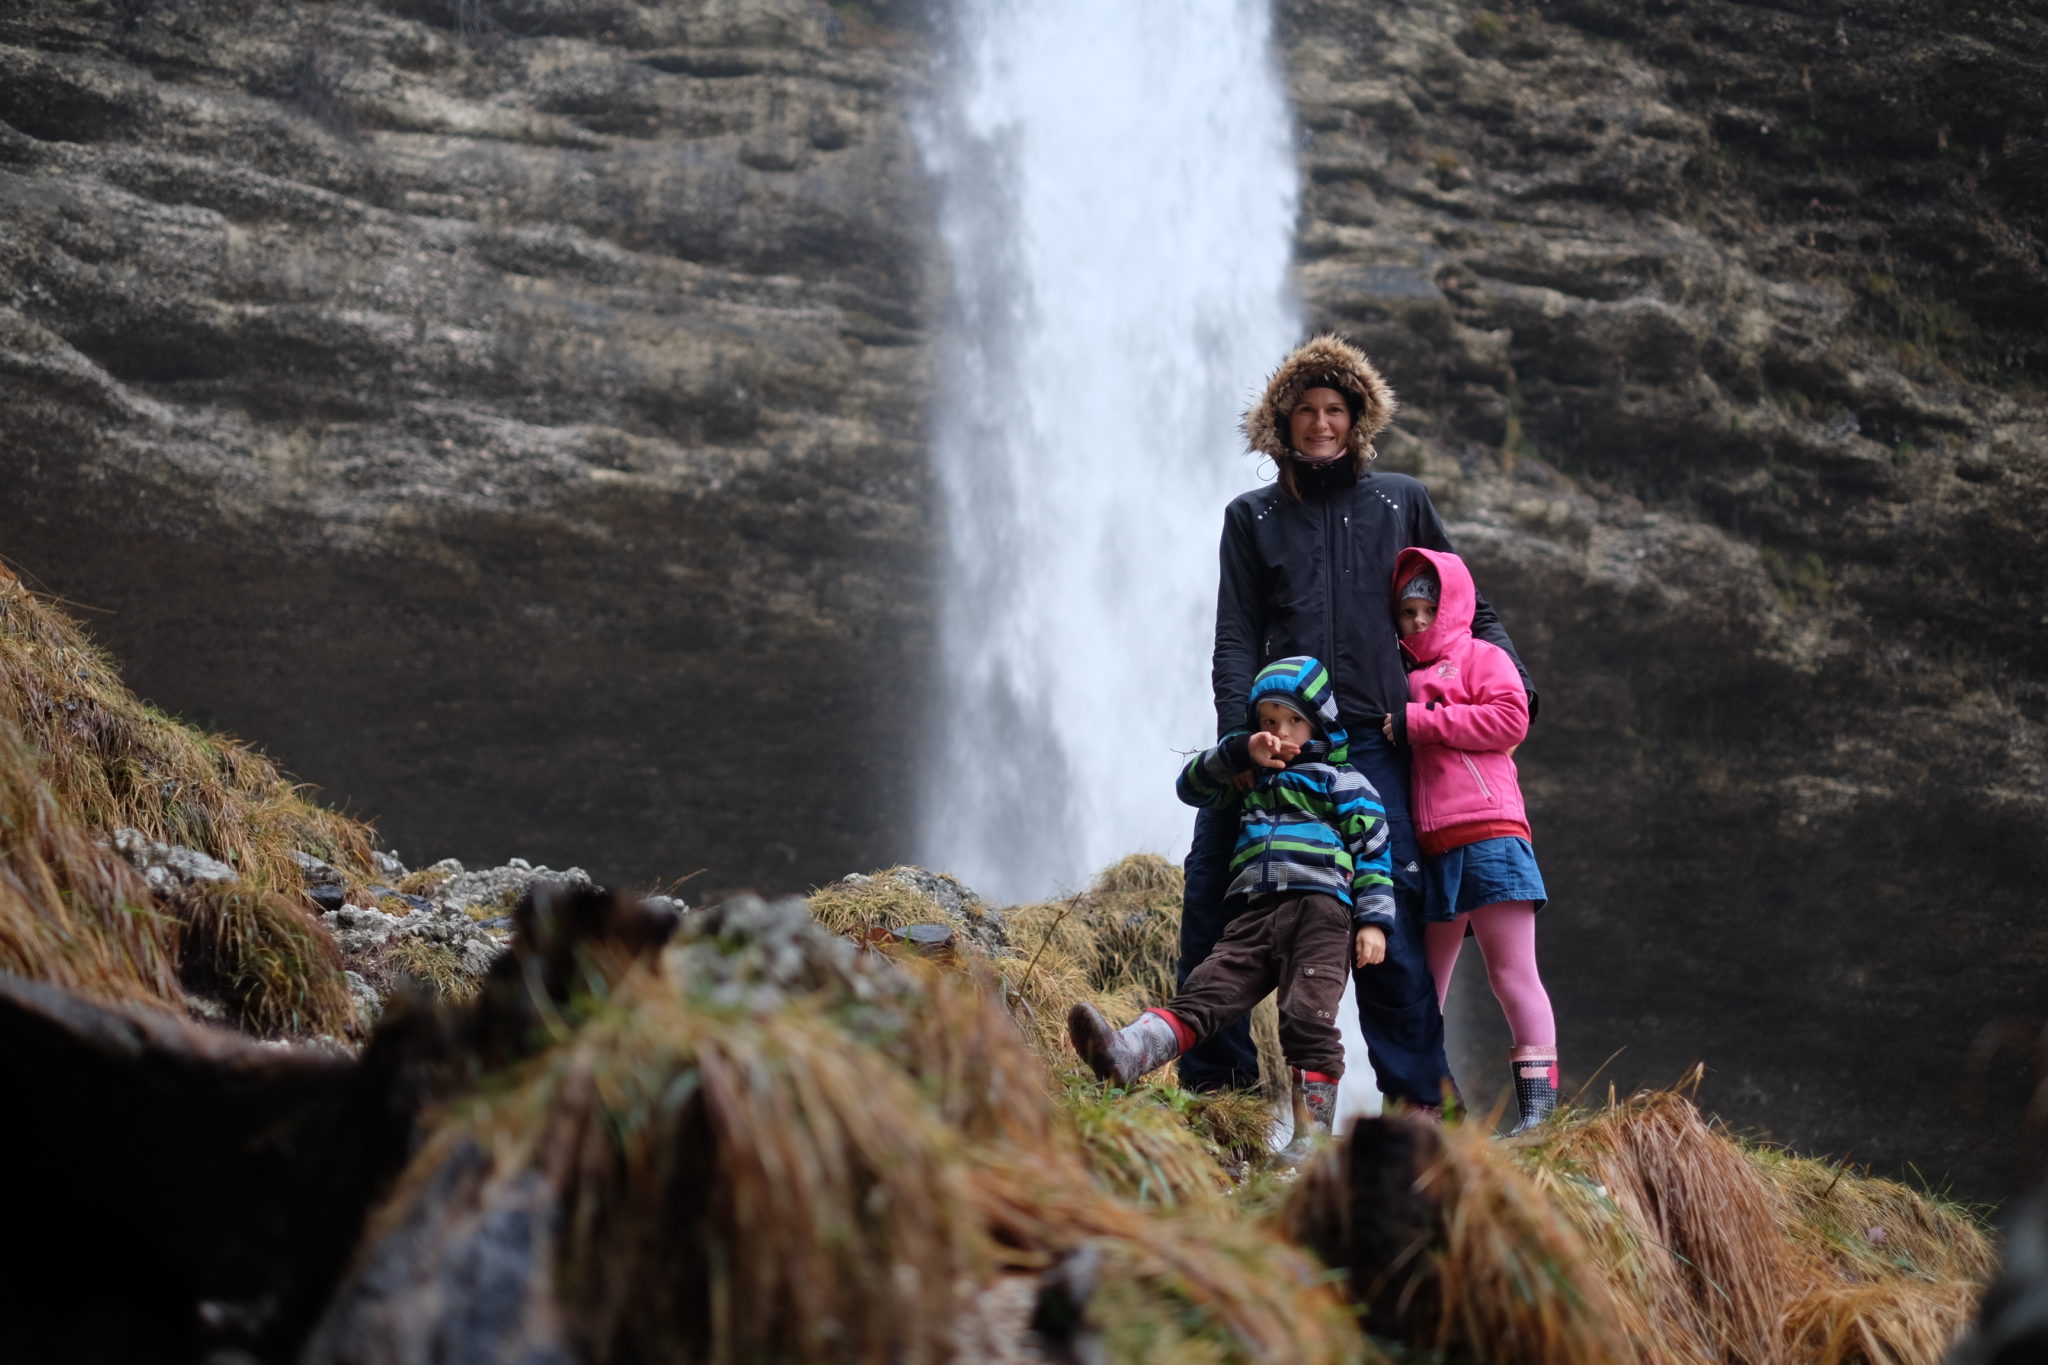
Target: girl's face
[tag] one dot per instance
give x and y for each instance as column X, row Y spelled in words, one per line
column 1319, row 424
column 1414, row 615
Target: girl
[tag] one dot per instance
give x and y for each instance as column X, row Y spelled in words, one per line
column 1466, row 713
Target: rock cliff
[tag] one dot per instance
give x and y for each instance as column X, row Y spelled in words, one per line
column 1717, row 329
column 511, row 410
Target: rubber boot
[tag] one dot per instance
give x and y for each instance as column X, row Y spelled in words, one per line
column 1535, row 1073
column 1121, row 1056
column 1315, row 1106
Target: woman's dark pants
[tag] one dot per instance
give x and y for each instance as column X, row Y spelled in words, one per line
column 1404, row 1029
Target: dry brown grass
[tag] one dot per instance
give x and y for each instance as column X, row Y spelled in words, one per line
column 1199, row 1285
column 1866, row 1227
column 837, row 1177
column 1638, row 1232
column 265, row 957
column 1878, row 1324
column 1714, row 1263
column 73, row 912
column 112, row 761
column 431, row 967
column 82, row 756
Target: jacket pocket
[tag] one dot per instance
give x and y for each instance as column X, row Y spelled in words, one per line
column 1473, row 768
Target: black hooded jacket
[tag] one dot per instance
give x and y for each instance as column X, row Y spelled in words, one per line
column 1316, row 577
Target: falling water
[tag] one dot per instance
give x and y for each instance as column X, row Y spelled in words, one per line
column 1119, row 190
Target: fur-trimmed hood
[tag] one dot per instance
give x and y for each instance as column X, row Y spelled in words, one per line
column 1327, row 360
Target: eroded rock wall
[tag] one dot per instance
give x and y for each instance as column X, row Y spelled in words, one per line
column 510, row 411
column 1717, row 327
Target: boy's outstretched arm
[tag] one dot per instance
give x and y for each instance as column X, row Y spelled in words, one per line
column 1210, row 777
column 1361, row 822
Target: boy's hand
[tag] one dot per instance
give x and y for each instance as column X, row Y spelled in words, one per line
column 1372, row 945
column 1270, row 751
column 1387, row 727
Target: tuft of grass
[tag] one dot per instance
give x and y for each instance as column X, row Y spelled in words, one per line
column 114, row 762
column 1868, row 1228
column 1697, row 1248
column 80, row 757
column 72, row 912
column 265, row 957
column 1192, row 1285
column 1711, row 1254
column 1139, row 1144
column 1877, row 1324
column 433, row 967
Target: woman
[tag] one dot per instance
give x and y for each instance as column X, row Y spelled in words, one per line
column 1305, row 567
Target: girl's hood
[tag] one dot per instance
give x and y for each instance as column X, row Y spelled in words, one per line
column 1456, row 602
column 1325, row 359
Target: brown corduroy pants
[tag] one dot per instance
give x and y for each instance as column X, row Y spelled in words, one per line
column 1298, row 945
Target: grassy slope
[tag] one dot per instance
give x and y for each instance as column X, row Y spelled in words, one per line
column 1636, row 1230
column 81, row 757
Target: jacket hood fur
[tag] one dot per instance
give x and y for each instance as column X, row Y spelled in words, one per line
column 1326, row 360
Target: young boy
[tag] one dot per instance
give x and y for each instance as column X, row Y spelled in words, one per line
column 1310, row 875
column 1467, row 712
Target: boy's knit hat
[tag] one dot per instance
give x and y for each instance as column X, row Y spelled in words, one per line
column 1288, row 700
column 1423, row 585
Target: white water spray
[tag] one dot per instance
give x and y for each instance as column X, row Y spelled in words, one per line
column 1119, row 192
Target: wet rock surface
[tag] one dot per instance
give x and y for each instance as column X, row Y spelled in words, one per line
column 497, row 376
column 1714, row 331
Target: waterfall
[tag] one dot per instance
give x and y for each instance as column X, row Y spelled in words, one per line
column 1119, row 184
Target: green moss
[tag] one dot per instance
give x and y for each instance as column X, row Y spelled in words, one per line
column 1486, row 29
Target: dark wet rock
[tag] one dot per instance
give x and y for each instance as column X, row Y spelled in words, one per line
column 608, row 334
column 326, row 895
column 1716, row 333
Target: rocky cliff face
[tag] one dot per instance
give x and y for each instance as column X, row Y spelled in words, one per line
column 509, row 410
column 1717, row 327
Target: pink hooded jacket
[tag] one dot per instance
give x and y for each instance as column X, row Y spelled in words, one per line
column 1466, row 708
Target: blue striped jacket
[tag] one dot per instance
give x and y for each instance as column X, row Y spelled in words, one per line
column 1314, row 826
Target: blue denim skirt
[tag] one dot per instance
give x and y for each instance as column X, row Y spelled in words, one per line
column 1485, row 873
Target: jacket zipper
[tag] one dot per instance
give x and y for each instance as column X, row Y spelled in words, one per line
column 1473, row 768
column 1329, row 594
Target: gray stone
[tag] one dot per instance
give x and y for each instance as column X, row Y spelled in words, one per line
column 167, row 867
column 315, row 872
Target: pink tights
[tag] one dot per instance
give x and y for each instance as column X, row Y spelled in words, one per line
column 1507, row 940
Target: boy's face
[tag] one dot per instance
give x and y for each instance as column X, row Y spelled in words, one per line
column 1284, row 723
column 1414, row 614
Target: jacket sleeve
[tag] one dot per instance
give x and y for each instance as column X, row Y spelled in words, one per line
column 1491, row 713
column 1361, row 822
column 1208, row 778
column 1240, row 621
column 1428, row 532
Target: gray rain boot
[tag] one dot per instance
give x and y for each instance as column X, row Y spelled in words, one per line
column 1535, row 1073
column 1315, row 1108
column 1121, row 1056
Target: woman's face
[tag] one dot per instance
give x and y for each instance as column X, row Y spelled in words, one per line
column 1319, row 424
